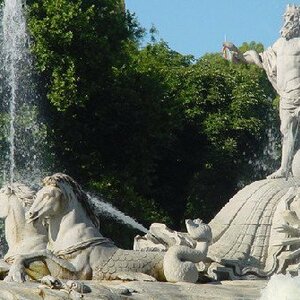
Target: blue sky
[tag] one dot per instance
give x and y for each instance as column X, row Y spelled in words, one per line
column 199, row 26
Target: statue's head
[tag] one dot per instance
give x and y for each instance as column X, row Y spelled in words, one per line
column 291, row 26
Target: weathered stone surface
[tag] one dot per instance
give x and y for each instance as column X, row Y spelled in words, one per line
column 244, row 231
column 246, row 290
column 161, row 238
column 75, row 237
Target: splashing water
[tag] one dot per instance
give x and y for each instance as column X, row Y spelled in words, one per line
column 105, row 208
column 25, row 135
column 14, row 40
column 23, row 132
column 282, row 287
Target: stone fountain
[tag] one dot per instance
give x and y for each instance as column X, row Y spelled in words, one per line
column 254, row 236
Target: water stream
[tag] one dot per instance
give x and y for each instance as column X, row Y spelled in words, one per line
column 105, row 208
column 23, row 132
column 14, row 41
column 25, row 135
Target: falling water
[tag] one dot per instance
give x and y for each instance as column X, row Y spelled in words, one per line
column 23, row 130
column 14, row 42
column 105, row 208
column 25, row 134
column 22, row 134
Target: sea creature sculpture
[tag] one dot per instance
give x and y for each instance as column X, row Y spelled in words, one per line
column 15, row 200
column 161, row 238
column 73, row 230
column 21, row 237
column 248, row 236
column 24, row 238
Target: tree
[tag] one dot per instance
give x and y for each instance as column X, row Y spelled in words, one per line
column 76, row 43
column 158, row 134
column 233, row 107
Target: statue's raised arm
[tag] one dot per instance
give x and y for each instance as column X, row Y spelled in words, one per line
column 266, row 59
column 282, row 65
column 249, row 57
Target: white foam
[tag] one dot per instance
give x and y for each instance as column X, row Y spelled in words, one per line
column 282, row 287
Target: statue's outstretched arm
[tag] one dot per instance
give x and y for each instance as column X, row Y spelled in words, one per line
column 249, row 57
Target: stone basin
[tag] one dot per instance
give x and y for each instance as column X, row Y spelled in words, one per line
column 238, row 289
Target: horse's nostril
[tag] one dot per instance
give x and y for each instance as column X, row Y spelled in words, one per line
column 30, row 215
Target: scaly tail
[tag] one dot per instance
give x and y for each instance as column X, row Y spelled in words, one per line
column 179, row 264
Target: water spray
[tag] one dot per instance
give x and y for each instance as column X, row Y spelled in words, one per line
column 105, row 208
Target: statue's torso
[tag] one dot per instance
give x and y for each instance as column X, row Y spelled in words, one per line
column 288, row 67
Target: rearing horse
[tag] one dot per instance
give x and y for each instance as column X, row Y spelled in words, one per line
column 21, row 237
column 74, row 235
column 24, row 239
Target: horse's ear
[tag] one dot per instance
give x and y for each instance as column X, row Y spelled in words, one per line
column 48, row 181
column 45, row 181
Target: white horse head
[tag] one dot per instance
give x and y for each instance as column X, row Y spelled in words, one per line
column 49, row 200
column 58, row 196
column 15, row 200
column 11, row 192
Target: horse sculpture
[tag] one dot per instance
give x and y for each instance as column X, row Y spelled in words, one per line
column 24, row 239
column 21, row 237
column 73, row 231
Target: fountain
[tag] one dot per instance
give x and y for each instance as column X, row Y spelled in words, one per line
column 273, row 204
column 256, row 235
column 105, row 208
column 25, row 133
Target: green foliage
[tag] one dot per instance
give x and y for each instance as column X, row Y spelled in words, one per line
column 259, row 47
column 231, row 105
column 158, row 134
column 76, row 43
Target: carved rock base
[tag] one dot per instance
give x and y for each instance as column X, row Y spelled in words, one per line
column 247, row 290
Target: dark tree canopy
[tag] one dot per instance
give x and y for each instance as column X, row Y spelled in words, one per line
column 161, row 135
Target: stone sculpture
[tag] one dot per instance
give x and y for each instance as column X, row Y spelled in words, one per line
column 256, row 234
column 74, row 236
column 21, row 237
column 291, row 227
column 24, row 239
column 282, row 65
column 161, row 238
column 249, row 233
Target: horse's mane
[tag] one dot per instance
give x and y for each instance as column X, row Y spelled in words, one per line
column 21, row 191
column 64, row 182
